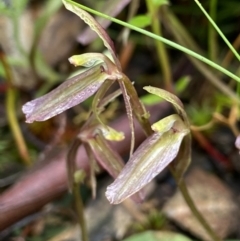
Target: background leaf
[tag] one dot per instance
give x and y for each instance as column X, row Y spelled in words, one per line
column 140, row 21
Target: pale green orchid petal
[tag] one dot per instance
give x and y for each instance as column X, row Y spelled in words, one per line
column 111, row 134
column 86, row 60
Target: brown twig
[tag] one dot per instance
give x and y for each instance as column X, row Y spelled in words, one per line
column 212, row 151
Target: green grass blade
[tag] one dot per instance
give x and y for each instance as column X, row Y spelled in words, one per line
column 159, row 38
column 218, row 30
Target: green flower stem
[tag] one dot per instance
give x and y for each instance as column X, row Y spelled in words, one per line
column 183, row 188
column 161, row 50
column 159, row 38
column 212, row 34
column 218, row 30
column 79, row 209
column 10, row 107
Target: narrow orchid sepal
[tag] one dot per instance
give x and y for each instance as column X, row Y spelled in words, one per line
column 110, row 160
column 96, row 27
column 173, row 99
column 70, row 93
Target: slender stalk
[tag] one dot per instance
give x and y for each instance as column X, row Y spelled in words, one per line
column 218, row 30
column 169, row 19
column 79, row 209
column 181, row 36
column 99, row 97
column 78, row 177
column 212, row 34
column 182, row 187
column 129, row 111
column 238, row 87
column 226, row 61
column 92, row 173
column 71, row 162
column 161, row 50
column 139, row 110
column 228, row 57
column 214, row 80
column 159, row 38
column 10, row 107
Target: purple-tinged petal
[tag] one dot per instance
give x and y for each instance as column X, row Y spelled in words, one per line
column 70, row 93
column 155, row 153
column 110, row 160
